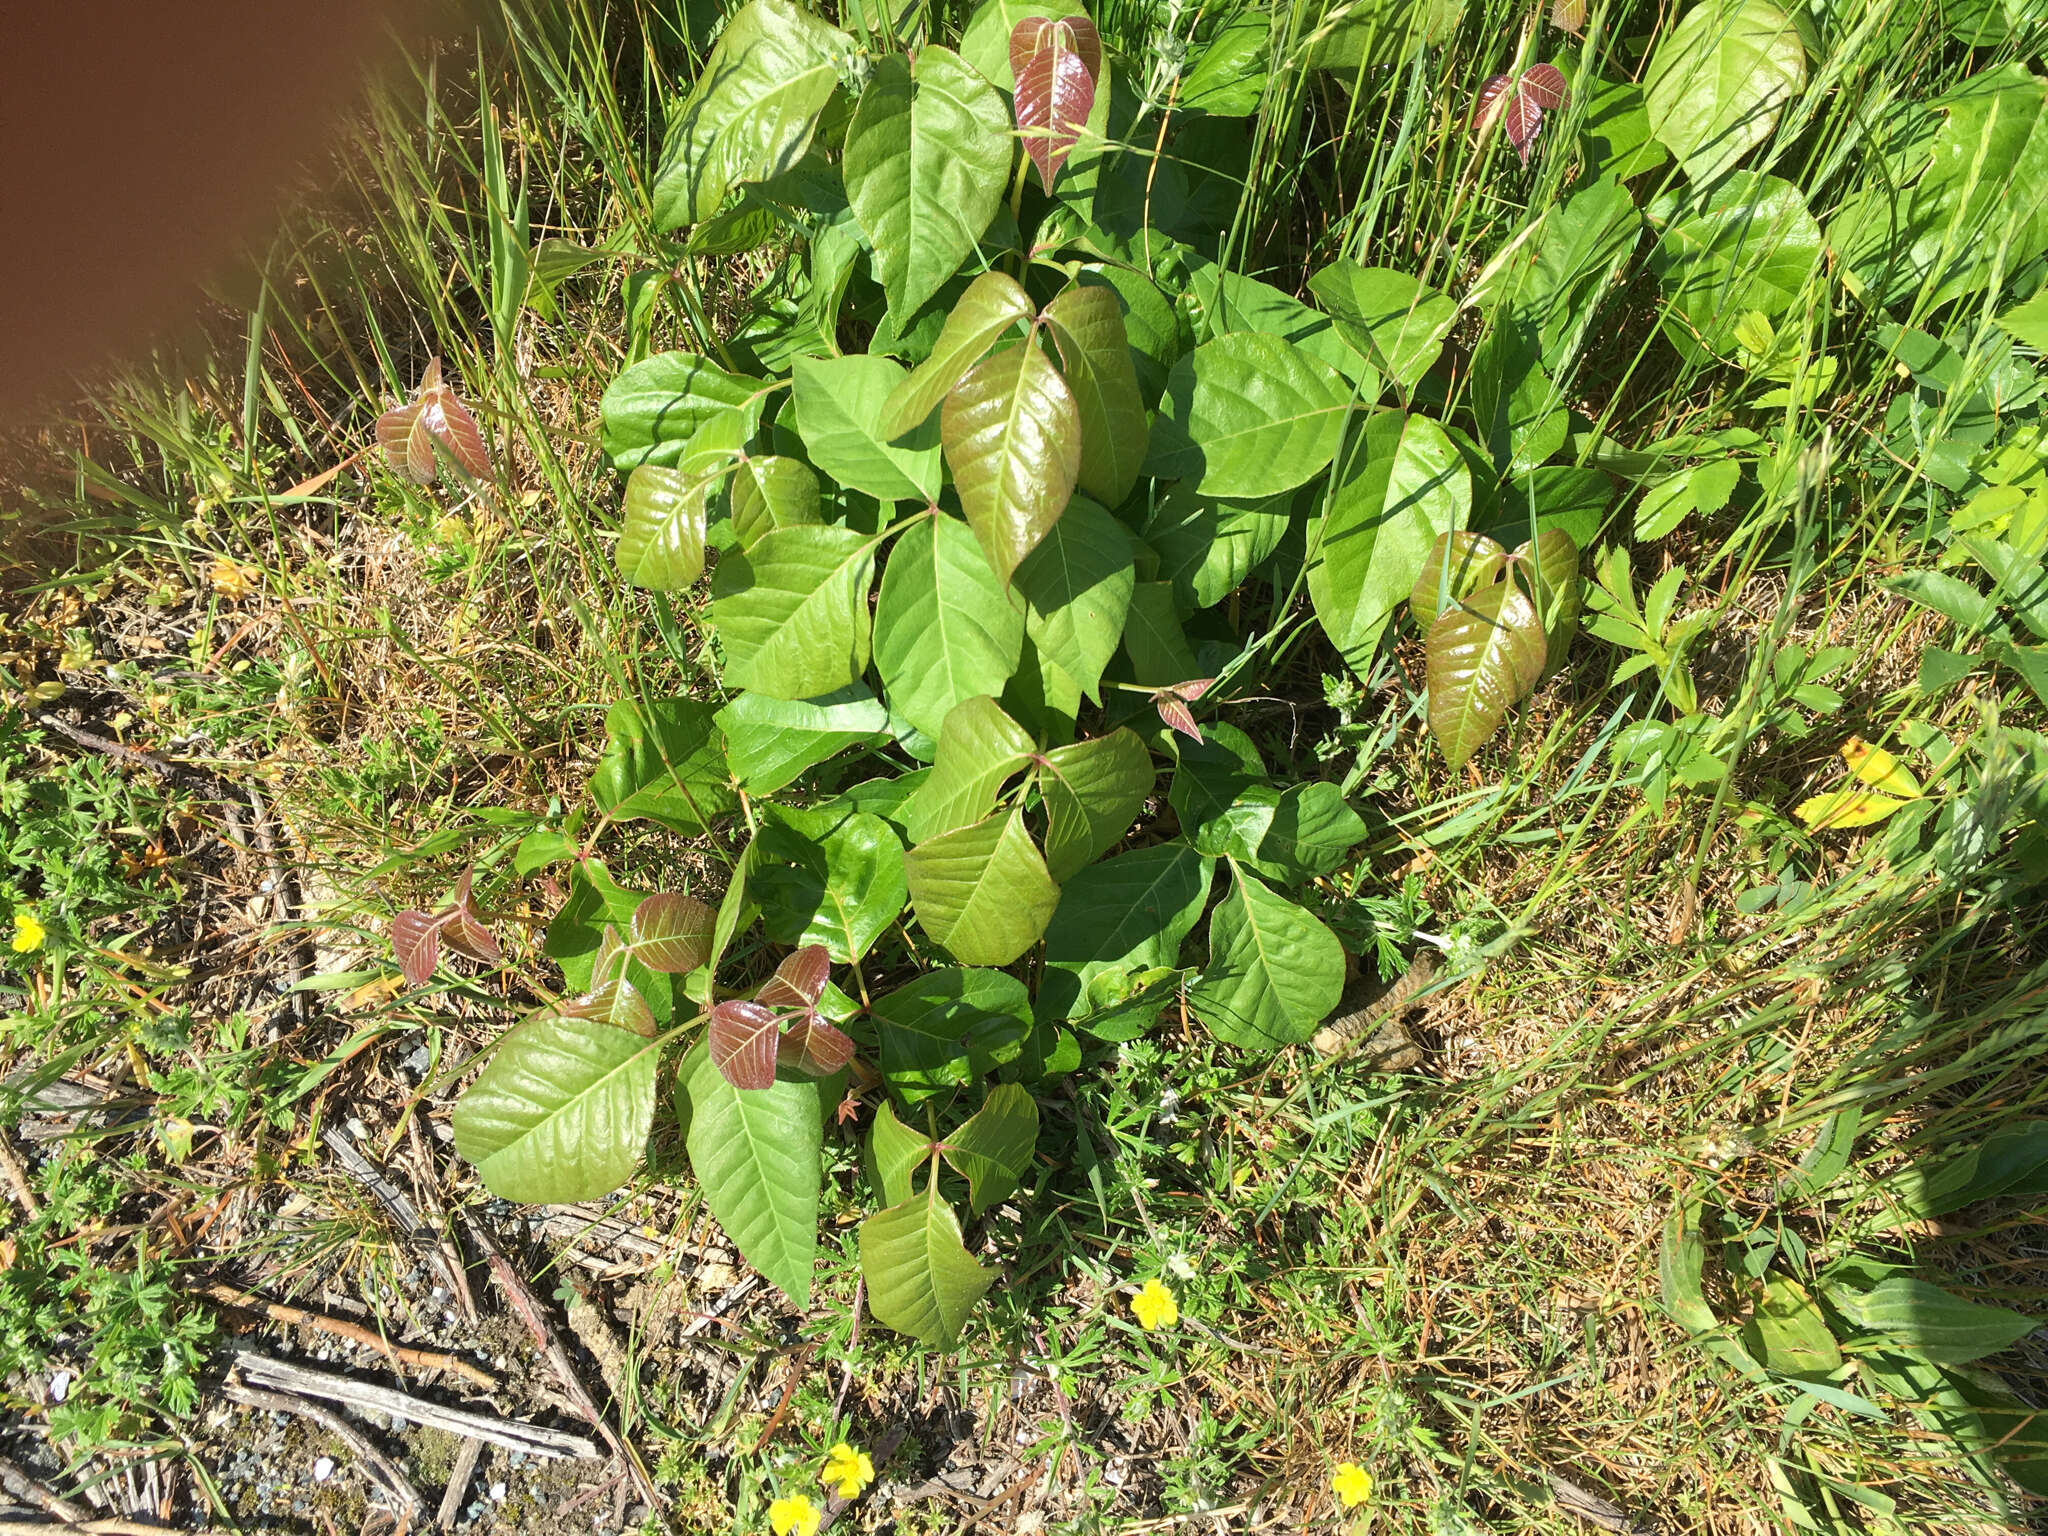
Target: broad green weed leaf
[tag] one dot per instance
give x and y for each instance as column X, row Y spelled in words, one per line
column 1718, row 81
column 1229, row 77
column 1750, row 244
column 1921, row 1318
column 1212, row 774
column 562, row 1111
column 992, row 304
column 1307, row 831
column 1459, row 563
column 982, row 892
column 828, row 876
column 949, row 1027
column 768, row 741
column 1207, row 548
column 1087, row 326
column 1788, row 1332
column 2028, row 323
column 661, row 542
column 921, row 1279
column 1247, row 416
column 755, row 1154
column 1226, row 302
column 752, row 110
column 2011, row 1161
column 1397, row 321
column 771, row 492
column 945, row 630
column 993, row 1148
column 1153, row 638
column 979, row 748
column 839, row 404
column 662, row 763
column 1156, row 330
column 792, row 613
column 1076, row 588
column 927, row 156
column 1012, row 437
column 1615, row 130
column 575, row 937
column 1092, row 792
column 1484, row 654
column 1404, row 486
column 1274, row 972
column 652, row 410
column 894, row 1152
column 1125, row 914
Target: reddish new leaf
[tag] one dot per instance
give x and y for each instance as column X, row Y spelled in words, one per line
column 672, row 933
column 415, row 436
column 799, row 981
column 416, row 941
column 1056, row 64
column 1176, row 715
column 464, row 925
column 1193, row 689
column 618, row 1003
column 1518, row 104
column 1568, row 16
column 814, row 1048
column 743, row 1037
column 1545, row 85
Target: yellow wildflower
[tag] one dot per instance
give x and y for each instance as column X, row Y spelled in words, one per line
column 1154, row 1306
column 29, row 933
column 793, row 1516
column 1351, row 1483
column 848, row 1470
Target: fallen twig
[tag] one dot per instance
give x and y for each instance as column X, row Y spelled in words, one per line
column 17, row 1178
column 458, row 1482
column 110, row 1526
column 383, row 1471
column 277, row 1311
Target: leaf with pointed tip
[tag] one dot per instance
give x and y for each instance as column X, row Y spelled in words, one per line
column 1718, row 81
column 985, row 43
column 831, row 876
column 1397, row 321
column 1054, row 65
column 753, row 108
column 982, row 892
column 799, row 981
column 1077, row 588
column 755, row 1155
column 1275, row 972
column 1129, row 913
column 927, row 156
column 1153, row 637
column 662, row 763
column 1548, row 569
column 993, row 1148
column 1087, row 326
column 416, row 941
column 415, row 437
column 661, row 542
column 618, row 1003
column 561, row 1112
column 462, row 932
column 769, row 742
column 1460, row 563
column 1207, row 547
column 979, row 748
column 1175, row 715
column 814, row 1048
column 1483, row 654
column 1092, row 791
column 894, row 1151
column 792, row 613
column 839, row 403
column 672, row 933
column 992, row 304
column 921, row 1279
column 652, row 410
column 945, row 630
column 1403, row 485
column 1247, row 415
column 772, row 492
column 743, row 1037
column 948, row 1027
column 1012, row 436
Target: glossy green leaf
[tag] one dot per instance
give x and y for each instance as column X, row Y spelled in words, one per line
column 792, row 613
column 1921, row 1318
column 945, row 630
column 992, row 304
column 561, row 1112
column 1459, row 563
column 756, row 1157
column 1076, row 586
column 921, row 1279
column 1547, row 569
column 839, row 404
column 993, row 1148
column 1274, row 972
column 1225, row 302
column 926, row 161
column 948, row 1028
column 662, row 763
column 1126, row 914
column 979, row 748
column 752, row 111
column 1404, row 486
column 2011, row 1161
column 661, row 541
column 1156, row 330
column 829, row 876
column 1153, row 638
column 1247, row 416
column 1483, row 655
column 1288, row 835
column 1789, row 1333
column 1396, row 320
column 768, row 741
column 1749, row 246
column 1092, row 791
column 982, row 892
column 1087, row 326
column 1228, row 78
column 652, row 410
column 1206, row 547
column 1212, row 775
column 1719, row 80
column 895, row 1151
column 1012, row 437
column 771, row 492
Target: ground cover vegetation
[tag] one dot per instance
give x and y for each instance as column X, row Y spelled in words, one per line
column 1289, row 752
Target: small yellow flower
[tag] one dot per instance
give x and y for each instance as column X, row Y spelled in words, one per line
column 29, row 933
column 1154, row 1306
column 1351, row 1483
column 793, row 1516
column 848, row 1470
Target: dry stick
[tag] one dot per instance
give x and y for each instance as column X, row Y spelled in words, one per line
column 48, row 1498
column 277, row 1311
column 383, row 1471
column 281, row 901
column 458, row 1481
column 17, row 1178
column 96, row 1527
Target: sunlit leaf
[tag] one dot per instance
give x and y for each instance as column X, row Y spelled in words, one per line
column 652, row 410
column 1076, row 588
column 436, row 424
column 1054, row 65
column 1459, row 564
column 792, row 612
column 661, row 542
column 979, row 748
column 1092, row 791
column 1275, row 972
column 755, row 1154
column 769, row 742
column 742, row 1037
column 840, row 401
column 1483, row 654
column 1087, row 326
column 1879, row 769
column 1719, row 80
column 416, row 941
column 671, row 933
column 945, row 630
column 921, row 1279
column 947, row 1027
column 1126, row 914
column 992, row 304
column 982, row 892
column 1247, row 416
column 770, row 492
column 1012, row 437
column 993, row 1149
column 1853, row 807
column 662, row 763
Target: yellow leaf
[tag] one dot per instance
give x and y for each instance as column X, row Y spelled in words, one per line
column 1846, row 808
column 1879, row 769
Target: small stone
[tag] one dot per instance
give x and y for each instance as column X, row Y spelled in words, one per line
column 60, row 1386
column 323, row 1469
column 498, row 1491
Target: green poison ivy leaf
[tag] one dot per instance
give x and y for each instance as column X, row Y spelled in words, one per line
column 1247, row 416
column 1274, row 972
column 992, row 304
column 982, row 892
column 1719, row 80
column 894, row 1153
column 945, row 630
column 652, row 410
column 662, row 763
column 1012, row 437
column 921, row 1279
column 1290, row 835
column 1076, row 585
column 979, row 748
column 926, row 161
column 756, row 1155
column 1749, row 246
column 1548, row 570
column 1125, row 915
column 1206, row 547
column 1087, row 326
column 1213, row 775
column 1483, row 655
column 1396, row 321
column 792, row 613
column 948, row 1028
column 1153, row 639
column 562, row 1111
column 1092, row 791
column 993, row 1149
column 839, row 403
column 828, row 876
column 661, row 545
column 771, row 492
column 768, row 742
